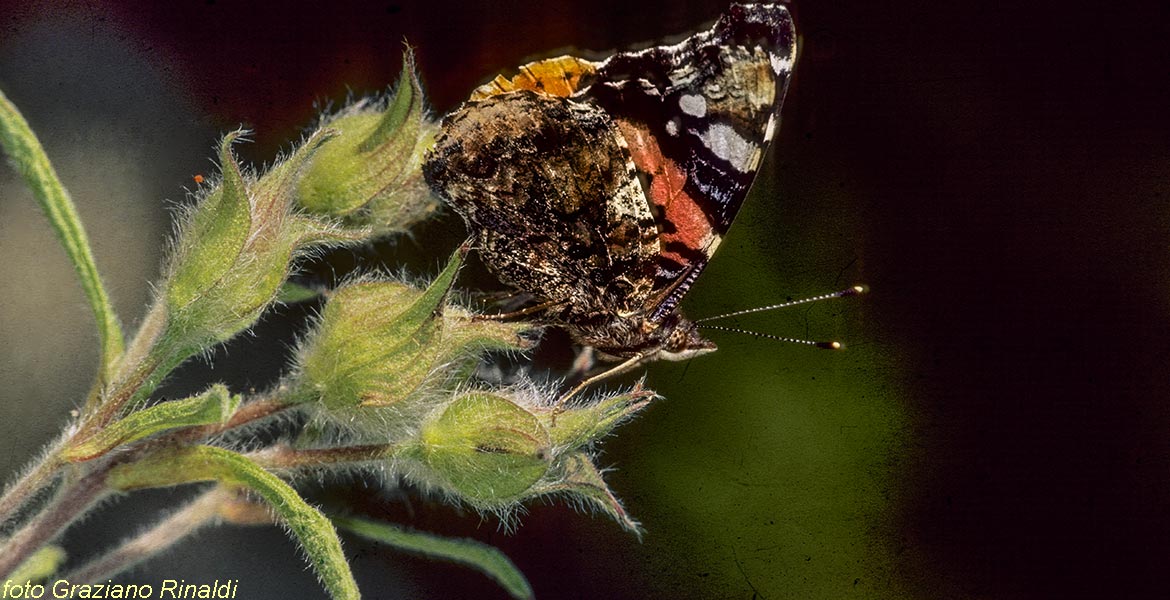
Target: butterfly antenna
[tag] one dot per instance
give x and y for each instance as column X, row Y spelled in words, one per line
column 850, row 291
column 821, row 345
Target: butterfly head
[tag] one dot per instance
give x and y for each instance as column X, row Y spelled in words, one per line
column 672, row 337
column 683, row 340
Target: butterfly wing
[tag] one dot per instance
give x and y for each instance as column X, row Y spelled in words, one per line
column 607, row 186
column 698, row 117
column 547, row 187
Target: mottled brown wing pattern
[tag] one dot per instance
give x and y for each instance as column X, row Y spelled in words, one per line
column 548, row 190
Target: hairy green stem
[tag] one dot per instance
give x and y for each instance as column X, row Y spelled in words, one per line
column 137, row 351
column 312, row 529
column 124, row 391
column 67, row 500
column 30, row 160
column 248, row 413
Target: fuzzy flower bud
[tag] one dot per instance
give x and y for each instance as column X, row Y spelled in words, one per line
column 494, row 450
column 235, row 248
column 486, row 449
column 370, row 175
column 381, row 343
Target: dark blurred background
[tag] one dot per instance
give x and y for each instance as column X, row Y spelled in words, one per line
column 998, row 174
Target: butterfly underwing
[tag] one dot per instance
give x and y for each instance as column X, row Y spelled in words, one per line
column 602, row 189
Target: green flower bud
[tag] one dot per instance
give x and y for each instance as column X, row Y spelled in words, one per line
column 381, row 343
column 484, row 449
column 235, row 249
column 494, row 450
column 370, row 175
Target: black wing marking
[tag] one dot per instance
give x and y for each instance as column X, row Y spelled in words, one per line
column 712, row 101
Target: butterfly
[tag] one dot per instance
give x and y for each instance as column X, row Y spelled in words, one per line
column 602, row 189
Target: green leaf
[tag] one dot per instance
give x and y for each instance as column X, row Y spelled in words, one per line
column 207, row 463
column 582, row 480
column 29, row 159
column 482, row 557
column 39, row 567
column 215, row 405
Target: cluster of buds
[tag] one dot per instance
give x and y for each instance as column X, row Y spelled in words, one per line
column 388, row 368
column 386, row 364
column 391, row 363
column 356, row 178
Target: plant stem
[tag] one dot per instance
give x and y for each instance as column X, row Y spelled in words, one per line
column 30, row 160
column 74, row 499
column 126, row 388
column 69, row 504
column 164, row 534
column 248, row 413
column 137, row 352
column 283, row 457
column 37, row 478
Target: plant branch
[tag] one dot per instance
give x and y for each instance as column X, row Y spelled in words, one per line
column 72, row 500
column 164, row 534
column 312, row 529
column 281, row 457
column 30, row 160
column 37, row 478
column 137, row 352
column 248, row 413
column 67, row 506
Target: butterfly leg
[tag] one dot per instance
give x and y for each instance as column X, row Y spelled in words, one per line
column 519, row 313
column 582, row 364
column 628, row 364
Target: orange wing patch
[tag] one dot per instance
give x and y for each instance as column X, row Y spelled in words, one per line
column 560, row 76
column 667, row 194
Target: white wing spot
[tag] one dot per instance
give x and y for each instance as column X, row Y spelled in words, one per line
column 672, row 127
column 693, row 104
column 779, row 65
column 725, row 143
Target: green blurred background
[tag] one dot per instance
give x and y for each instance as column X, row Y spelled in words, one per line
column 998, row 176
